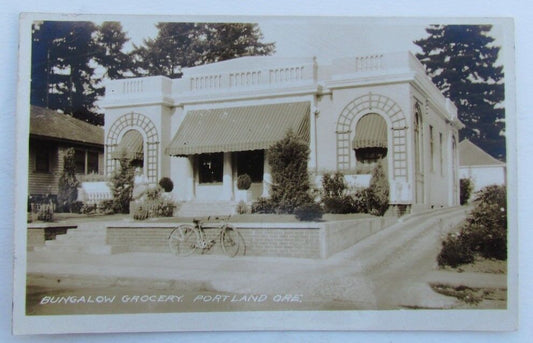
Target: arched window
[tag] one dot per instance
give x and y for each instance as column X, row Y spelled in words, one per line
column 131, row 146
column 370, row 140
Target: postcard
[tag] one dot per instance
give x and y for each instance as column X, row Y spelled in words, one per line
column 216, row 173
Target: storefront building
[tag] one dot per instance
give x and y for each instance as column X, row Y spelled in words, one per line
column 217, row 121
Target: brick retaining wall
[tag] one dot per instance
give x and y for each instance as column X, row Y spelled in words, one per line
column 304, row 240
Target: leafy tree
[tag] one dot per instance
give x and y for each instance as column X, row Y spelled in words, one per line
column 288, row 159
column 68, row 183
column 65, row 59
column 461, row 60
column 180, row 45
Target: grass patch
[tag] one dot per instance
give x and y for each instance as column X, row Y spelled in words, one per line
column 481, row 265
column 471, row 296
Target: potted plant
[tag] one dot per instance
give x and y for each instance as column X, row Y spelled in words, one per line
column 243, row 193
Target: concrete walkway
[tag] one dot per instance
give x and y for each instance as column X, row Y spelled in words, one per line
column 390, row 269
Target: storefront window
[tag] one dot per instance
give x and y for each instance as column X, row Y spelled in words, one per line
column 251, row 163
column 210, row 167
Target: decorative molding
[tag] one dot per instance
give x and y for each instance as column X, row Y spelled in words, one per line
column 385, row 106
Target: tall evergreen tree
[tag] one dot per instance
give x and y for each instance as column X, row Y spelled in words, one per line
column 111, row 40
column 288, row 159
column 180, row 45
column 62, row 73
column 461, row 60
column 65, row 59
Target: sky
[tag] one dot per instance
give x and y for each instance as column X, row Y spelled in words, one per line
column 323, row 37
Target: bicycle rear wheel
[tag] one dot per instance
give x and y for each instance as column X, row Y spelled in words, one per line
column 182, row 240
column 232, row 242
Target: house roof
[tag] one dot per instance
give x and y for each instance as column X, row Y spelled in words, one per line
column 472, row 155
column 47, row 123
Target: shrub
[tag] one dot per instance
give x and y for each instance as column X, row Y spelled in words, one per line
column 486, row 227
column 338, row 204
column 244, row 182
column 167, row 184
column 484, row 233
column 288, row 159
column 333, row 185
column 242, row 208
column 465, row 190
column 88, row 209
column 263, row 205
column 152, row 193
column 377, row 193
column 140, row 212
column 68, row 184
column 455, row 251
column 308, row 212
column 105, row 207
column 152, row 205
column 46, row 213
column 165, row 208
column 76, row 207
column 122, row 185
column 335, row 198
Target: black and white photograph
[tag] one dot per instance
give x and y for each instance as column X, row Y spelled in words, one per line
column 265, row 173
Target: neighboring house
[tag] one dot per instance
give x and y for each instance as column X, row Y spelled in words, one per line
column 51, row 134
column 479, row 166
column 216, row 122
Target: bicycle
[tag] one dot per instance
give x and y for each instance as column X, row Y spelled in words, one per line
column 186, row 239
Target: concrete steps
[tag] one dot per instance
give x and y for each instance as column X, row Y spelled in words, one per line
column 88, row 238
column 206, row 209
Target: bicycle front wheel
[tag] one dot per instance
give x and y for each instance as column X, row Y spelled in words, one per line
column 232, row 242
column 182, row 240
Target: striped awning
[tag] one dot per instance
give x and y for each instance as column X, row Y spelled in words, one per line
column 370, row 132
column 239, row 128
column 130, row 146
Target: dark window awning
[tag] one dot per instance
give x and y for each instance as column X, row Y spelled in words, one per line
column 239, row 128
column 370, row 132
column 130, row 146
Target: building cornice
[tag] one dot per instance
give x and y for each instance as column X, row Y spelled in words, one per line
column 213, row 97
column 138, row 101
column 356, row 80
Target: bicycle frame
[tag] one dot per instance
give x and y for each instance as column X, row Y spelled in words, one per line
column 186, row 238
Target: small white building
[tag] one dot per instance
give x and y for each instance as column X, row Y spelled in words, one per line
column 477, row 165
column 215, row 123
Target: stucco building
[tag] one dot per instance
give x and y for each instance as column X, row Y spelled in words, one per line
column 215, row 123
